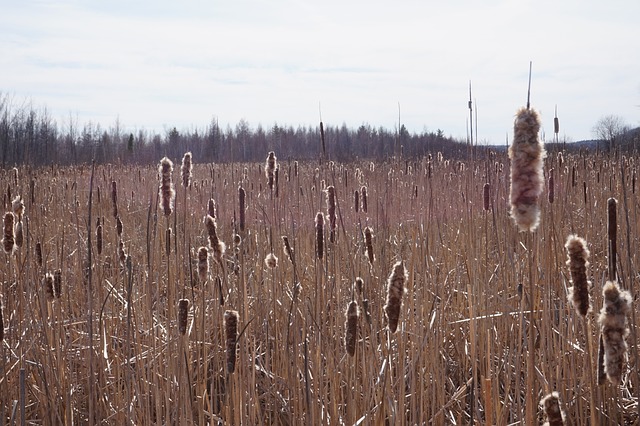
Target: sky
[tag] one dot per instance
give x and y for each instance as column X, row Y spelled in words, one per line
column 159, row 64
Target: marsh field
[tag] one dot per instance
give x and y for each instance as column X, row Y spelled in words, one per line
column 155, row 322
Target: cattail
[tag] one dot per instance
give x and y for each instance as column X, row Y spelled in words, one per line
column 270, row 168
column 287, row 249
column 211, row 208
column 19, row 235
column 551, row 406
column 271, row 261
column 1, row 323
column 114, row 198
column 99, row 238
column 18, row 207
column 119, row 227
column 39, row 253
column 165, row 169
column 578, row 255
column 368, row 244
column 241, row 208
column 359, row 285
column 295, row 168
column 613, row 323
column 363, row 193
column 331, row 211
column 57, row 283
column 185, row 170
column 356, row 200
column 47, row 285
column 552, row 189
column 9, row 238
column 320, row 235
column 217, row 246
column 526, row 154
column 15, row 176
column 203, row 264
column 167, row 241
column 612, row 236
column 395, row 290
column 237, row 240
column 122, row 254
column 485, row 196
column 183, row 309
column 231, row 336
column 277, row 181
column 351, row 327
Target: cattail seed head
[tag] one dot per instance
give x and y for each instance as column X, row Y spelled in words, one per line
column 242, row 207
column 551, row 406
column 167, row 241
column 368, row 244
column 8, row 240
column 57, row 283
column 270, row 168
column 47, row 285
column 183, row 309
column 395, row 291
column 612, row 236
column 39, row 253
column 211, row 208
column 319, row 235
column 218, row 247
column 363, row 193
column 485, row 196
column 168, row 194
column 351, row 327
column 119, row 227
column 271, row 261
column 203, row 264
column 578, row 255
column 18, row 207
column 613, row 324
column 19, row 235
column 122, row 254
column 185, row 169
column 99, row 239
column 287, row 249
column 231, row 336
column 526, row 154
column 1, row 323
column 359, row 285
column 114, row 198
column 356, row 200
column 331, row 211
column 552, row 188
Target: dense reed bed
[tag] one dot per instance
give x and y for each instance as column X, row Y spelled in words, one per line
column 200, row 313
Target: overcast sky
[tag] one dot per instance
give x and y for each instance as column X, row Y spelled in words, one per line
column 158, row 64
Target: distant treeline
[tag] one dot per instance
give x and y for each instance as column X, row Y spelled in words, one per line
column 31, row 136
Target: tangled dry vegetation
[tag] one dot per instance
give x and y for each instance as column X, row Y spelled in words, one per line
column 420, row 302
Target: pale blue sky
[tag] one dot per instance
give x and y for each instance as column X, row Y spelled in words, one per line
column 159, row 64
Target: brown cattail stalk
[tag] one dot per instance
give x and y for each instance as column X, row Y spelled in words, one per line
column 395, row 291
column 319, row 235
column 351, row 327
column 613, row 324
column 578, row 255
column 57, row 283
column 217, row 246
column 270, row 168
column 203, row 264
column 185, row 170
column 552, row 410
column 363, row 193
column 9, row 238
column 368, row 244
column 331, row 212
column 47, row 285
column 183, row 309
column 485, row 196
column 168, row 194
column 552, row 187
column 114, row 198
column 527, row 180
column 231, row 336
column 241, row 207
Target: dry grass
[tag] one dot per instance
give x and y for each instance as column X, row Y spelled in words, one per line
column 485, row 328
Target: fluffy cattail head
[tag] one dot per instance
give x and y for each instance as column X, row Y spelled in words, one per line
column 203, row 264
column 218, row 247
column 270, row 169
column 578, row 255
column 319, row 235
column 47, row 285
column 18, row 207
column 8, row 240
column 331, row 211
column 271, row 261
column 551, row 406
column 359, row 285
column 527, row 181
column 114, row 198
column 122, row 254
column 363, row 193
column 613, row 324
column 395, row 291
column 351, row 327
column 185, row 169
column 167, row 193
column 183, row 310
column 368, row 244
column 231, row 337
column 211, row 208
